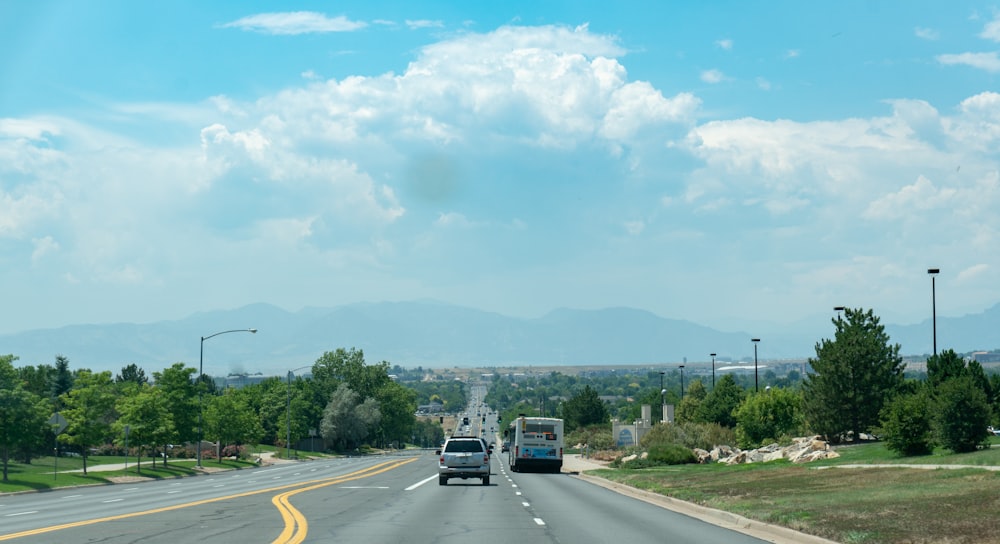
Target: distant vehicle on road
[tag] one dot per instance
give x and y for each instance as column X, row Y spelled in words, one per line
column 464, row 457
column 535, row 443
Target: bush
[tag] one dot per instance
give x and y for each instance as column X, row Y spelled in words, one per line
column 671, row 454
column 598, row 437
column 963, row 415
column 907, row 424
column 690, row 435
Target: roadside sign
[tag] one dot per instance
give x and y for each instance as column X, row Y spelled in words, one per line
column 58, row 422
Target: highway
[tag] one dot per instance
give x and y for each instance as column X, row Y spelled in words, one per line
column 373, row 499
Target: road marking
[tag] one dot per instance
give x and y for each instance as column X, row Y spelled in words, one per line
column 524, row 504
column 72, row 496
column 20, row 514
column 538, row 521
column 82, row 523
column 296, row 526
column 365, row 487
column 420, row 483
column 112, row 500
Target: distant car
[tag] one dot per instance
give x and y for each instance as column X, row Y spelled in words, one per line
column 464, row 457
column 505, row 447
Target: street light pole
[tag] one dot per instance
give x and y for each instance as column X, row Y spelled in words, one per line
column 713, row 370
column 201, row 375
column 682, row 381
column 288, row 413
column 933, row 272
column 756, row 385
column 662, row 391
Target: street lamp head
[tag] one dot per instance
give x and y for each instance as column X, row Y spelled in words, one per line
column 254, row 331
column 680, row 366
column 933, row 271
column 712, row 354
column 755, row 339
column 663, row 391
column 839, row 308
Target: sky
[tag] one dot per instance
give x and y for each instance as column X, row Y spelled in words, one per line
column 735, row 164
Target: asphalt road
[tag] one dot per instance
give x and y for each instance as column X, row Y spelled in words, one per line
column 371, row 499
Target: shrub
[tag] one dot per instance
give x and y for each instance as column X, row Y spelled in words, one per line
column 598, row 437
column 671, row 454
column 907, row 424
column 963, row 415
column 690, row 435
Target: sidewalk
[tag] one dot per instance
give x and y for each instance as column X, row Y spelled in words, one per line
column 574, row 462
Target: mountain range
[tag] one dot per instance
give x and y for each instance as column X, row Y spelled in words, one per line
column 439, row 335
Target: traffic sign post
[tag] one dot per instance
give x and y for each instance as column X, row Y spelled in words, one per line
column 59, row 424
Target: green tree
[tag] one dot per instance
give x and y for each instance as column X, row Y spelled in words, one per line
column 689, row 408
column 853, row 376
column 230, row 420
column 721, row 402
column 147, row 413
column 396, row 406
column 907, row 424
column 37, row 380
column 583, row 409
column 22, row 421
column 181, row 395
column 89, row 409
column 963, row 415
column 132, row 373
column 768, row 415
column 346, row 420
column 62, row 381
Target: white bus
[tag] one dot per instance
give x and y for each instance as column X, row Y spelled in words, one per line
column 536, row 443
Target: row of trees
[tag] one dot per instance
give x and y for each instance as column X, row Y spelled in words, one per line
column 347, row 401
column 855, row 386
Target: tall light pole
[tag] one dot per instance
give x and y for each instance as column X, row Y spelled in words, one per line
column 756, row 386
column 201, row 375
column 713, row 370
column 682, row 381
column 933, row 272
column 839, row 309
column 288, row 413
column 662, row 392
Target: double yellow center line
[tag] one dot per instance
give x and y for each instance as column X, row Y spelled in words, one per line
column 296, row 526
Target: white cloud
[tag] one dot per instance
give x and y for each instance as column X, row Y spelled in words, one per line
column 992, row 30
column 423, row 23
column 983, row 61
column 726, row 44
column 973, row 273
column 926, row 33
column 295, row 22
column 792, row 54
column 919, row 198
column 763, row 84
column 712, row 76
column 43, row 246
column 635, row 228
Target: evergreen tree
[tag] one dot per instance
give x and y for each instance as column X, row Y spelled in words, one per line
column 62, row 381
column 585, row 408
column 853, row 376
column 721, row 402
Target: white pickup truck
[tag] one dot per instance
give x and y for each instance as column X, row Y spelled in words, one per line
column 464, row 457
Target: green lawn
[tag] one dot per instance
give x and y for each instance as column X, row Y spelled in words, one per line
column 886, row 504
column 39, row 475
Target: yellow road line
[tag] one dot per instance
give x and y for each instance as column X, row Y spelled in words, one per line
column 379, row 468
column 296, row 526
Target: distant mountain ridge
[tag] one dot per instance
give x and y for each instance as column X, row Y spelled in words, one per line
column 438, row 335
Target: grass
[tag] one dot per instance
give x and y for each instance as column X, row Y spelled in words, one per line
column 39, row 476
column 886, row 504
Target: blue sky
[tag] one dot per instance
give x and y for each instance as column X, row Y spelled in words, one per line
column 741, row 165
